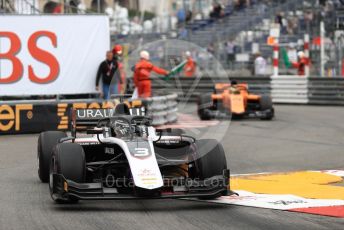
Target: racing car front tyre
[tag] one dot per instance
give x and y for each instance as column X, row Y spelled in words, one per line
column 46, row 142
column 211, row 161
column 265, row 103
column 68, row 160
column 204, row 105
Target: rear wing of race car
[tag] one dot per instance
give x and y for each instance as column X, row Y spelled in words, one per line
column 220, row 87
column 83, row 119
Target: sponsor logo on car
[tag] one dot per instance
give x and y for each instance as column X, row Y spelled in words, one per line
column 109, row 151
column 141, row 152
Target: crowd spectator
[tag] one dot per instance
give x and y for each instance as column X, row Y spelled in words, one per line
column 74, row 5
column 322, row 2
column 188, row 17
column 292, row 25
column 98, row 6
column 217, row 11
column 108, row 72
column 282, row 21
column 52, row 8
column 240, row 4
column 181, row 16
column 279, row 19
column 211, row 48
column 230, row 51
column 262, row 7
column 2, row 7
column 183, row 33
column 211, row 54
column 309, row 21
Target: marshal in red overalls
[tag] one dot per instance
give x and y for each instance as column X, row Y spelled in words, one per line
column 142, row 75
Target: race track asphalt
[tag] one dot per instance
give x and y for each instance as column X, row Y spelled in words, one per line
column 300, row 138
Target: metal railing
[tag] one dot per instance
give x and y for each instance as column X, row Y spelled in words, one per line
column 188, row 91
column 283, row 89
column 25, row 7
column 6, row 6
column 32, row 7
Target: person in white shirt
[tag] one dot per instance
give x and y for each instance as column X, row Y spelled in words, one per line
column 259, row 65
column 230, row 53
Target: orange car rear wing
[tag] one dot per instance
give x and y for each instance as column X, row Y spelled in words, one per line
column 219, row 87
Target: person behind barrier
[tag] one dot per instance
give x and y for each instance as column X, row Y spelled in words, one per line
column 259, row 65
column 301, row 64
column 107, row 71
column 190, row 66
column 142, row 75
column 117, row 52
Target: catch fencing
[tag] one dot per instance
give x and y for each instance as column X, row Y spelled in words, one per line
column 283, row 89
column 188, row 88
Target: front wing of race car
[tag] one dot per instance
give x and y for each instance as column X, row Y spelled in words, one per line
column 173, row 188
column 262, row 114
column 224, row 115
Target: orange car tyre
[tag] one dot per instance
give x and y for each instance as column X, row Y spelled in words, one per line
column 265, row 103
column 204, row 104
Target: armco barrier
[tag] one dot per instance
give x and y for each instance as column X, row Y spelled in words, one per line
column 163, row 109
column 188, row 88
column 283, row 89
column 302, row 90
column 19, row 117
column 326, row 91
column 289, row 89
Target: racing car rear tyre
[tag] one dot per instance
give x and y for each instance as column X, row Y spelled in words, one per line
column 211, row 162
column 46, row 142
column 265, row 103
column 204, row 104
column 69, row 160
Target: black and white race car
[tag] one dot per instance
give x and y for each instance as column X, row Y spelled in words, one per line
column 124, row 157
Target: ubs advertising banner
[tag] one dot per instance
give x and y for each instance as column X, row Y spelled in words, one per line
column 46, row 55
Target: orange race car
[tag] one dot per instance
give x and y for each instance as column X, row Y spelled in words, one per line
column 234, row 100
